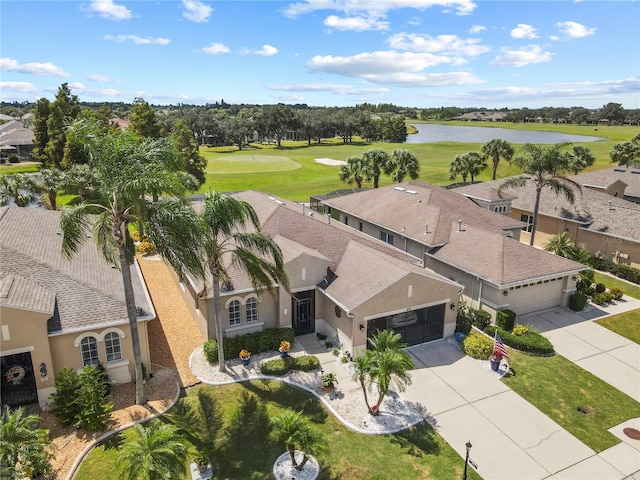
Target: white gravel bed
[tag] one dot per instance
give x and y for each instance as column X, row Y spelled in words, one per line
column 396, row 413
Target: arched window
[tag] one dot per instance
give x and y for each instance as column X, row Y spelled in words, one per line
column 234, row 313
column 89, row 349
column 252, row 309
column 112, row 347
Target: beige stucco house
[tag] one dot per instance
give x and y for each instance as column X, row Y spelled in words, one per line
column 343, row 284
column 471, row 245
column 599, row 221
column 58, row 313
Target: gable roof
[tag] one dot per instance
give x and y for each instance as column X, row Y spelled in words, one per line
column 501, row 260
column 630, row 176
column 593, row 210
column 20, row 293
column 87, row 290
column 413, row 208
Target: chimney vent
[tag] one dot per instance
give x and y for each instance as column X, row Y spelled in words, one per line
column 426, row 228
column 302, row 208
column 460, row 226
column 329, row 218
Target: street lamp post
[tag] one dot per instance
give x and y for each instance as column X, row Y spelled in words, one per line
column 466, row 460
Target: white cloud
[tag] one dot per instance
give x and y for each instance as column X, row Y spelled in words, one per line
column 19, row 87
column 11, row 65
column 376, row 7
column 98, row 78
column 414, row 21
column 524, row 31
column 196, row 11
column 477, row 29
column 216, row 48
column 575, row 30
column 376, row 63
column 108, row 9
column 521, row 57
column 336, row 88
column 358, row 24
column 76, row 86
column 405, row 79
column 449, row 44
column 291, row 98
column 138, row 40
column 266, row 50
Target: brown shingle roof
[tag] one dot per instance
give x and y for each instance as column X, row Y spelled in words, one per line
column 18, row 292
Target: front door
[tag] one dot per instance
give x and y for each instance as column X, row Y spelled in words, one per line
column 302, row 307
column 18, row 380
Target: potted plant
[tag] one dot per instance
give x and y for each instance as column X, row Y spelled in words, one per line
column 495, row 359
column 328, row 381
column 284, row 348
column 245, row 356
column 201, row 460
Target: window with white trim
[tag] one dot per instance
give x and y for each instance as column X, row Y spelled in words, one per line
column 251, row 310
column 112, row 347
column 234, row 313
column 528, row 219
column 386, row 237
column 89, row 349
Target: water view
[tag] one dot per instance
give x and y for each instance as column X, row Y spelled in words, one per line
column 428, row 133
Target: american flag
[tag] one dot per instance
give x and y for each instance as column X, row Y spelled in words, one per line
column 499, row 346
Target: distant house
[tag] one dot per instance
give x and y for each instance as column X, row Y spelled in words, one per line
column 622, row 181
column 482, row 117
column 602, row 223
column 462, row 241
column 343, row 284
column 16, row 138
column 57, row 313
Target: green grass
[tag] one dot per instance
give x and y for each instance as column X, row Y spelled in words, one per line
column 557, row 387
column 610, row 281
column 626, row 324
column 24, row 167
column 245, row 448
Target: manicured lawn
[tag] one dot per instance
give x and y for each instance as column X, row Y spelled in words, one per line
column 245, row 447
column 557, row 387
column 628, row 288
column 626, row 324
column 26, row 167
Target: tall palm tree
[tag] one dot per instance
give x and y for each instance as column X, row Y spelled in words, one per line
column 158, row 453
column 230, row 235
column 355, row 171
column 20, row 187
column 379, row 161
column 404, row 163
column 580, row 158
column 23, row 446
column 545, row 166
column 470, row 163
column 127, row 168
column 626, row 153
column 51, row 181
column 497, row 148
column 384, row 363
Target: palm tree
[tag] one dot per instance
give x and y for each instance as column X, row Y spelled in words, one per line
column 470, row 163
column 226, row 241
column 83, row 178
column 626, row 153
column 581, row 158
column 292, row 428
column 20, row 187
column 496, row 149
column 378, row 161
column 544, row 165
column 23, row 448
column 404, row 163
column 385, row 362
column 157, row 454
column 126, row 168
column 559, row 244
column 52, row 180
column 355, row 171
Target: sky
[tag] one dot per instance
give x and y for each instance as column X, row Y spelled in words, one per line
column 414, row 53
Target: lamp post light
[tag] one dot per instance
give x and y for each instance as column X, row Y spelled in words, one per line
column 466, row 460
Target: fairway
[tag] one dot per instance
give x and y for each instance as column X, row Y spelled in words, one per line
column 251, row 164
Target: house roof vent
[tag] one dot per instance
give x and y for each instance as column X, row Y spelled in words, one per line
column 400, row 189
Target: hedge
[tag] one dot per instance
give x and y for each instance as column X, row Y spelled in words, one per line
column 505, row 319
column 577, row 301
column 621, row 271
column 257, row 342
column 530, row 342
column 477, row 346
column 281, row 366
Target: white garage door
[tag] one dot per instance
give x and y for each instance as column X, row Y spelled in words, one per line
column 536, row 297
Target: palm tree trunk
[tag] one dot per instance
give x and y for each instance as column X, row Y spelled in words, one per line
column 217, row 313
column 496, row 160
column 132, row 315
column 534, row 224
column 366, row 398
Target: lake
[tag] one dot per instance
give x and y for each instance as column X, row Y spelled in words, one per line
column 428, row 133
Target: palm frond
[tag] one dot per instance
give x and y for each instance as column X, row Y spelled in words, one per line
column 74, row 223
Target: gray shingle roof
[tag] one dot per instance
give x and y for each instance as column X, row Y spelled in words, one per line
column 18, row 292
column 605, row 177
column 88, row 291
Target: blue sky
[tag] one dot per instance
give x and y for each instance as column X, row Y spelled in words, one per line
column 417, row 53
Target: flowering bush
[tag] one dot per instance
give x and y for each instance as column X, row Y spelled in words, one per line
column 284, row 346
column 244, row 354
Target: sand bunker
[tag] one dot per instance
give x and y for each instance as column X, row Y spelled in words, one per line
column 330, row 161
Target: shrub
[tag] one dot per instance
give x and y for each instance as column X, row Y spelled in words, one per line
column 328, row 344
column 600, row 287
column 617, row 293
column 135, row 236
column 480, row 318
column 335, row 352
column 577, row 301
column 531, row 342
column 63, row 404
column 621, row 271
column 344, row 359
column 477, row 346
column 210, row 350
column 146, row 247
column 608, row 297
column 13, row 158
column 281, row 366
column 520, row 330
column 583, row 285
column 599, row 299
column 505, row 319
column 463, row 324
